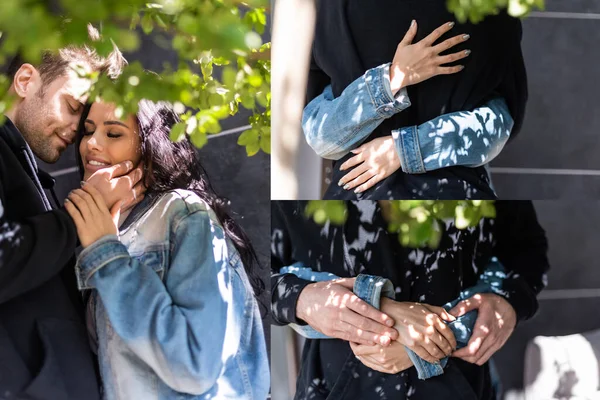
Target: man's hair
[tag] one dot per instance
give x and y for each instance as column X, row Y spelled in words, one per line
column 54, row 64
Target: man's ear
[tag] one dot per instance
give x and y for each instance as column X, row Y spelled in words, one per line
column 25, row 80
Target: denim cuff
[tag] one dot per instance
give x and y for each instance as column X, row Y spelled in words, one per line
column 378, row 84
column 103, row 251
column 425, row 369
column 409, row 150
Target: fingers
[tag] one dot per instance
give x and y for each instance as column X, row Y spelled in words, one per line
column 82, row 201
column 348, row 283
column 425, row 354
column 117, row 170
column 436, row 34
column 410, row 34
column 448, row 343
column 74, row 213
column 450, row 58
column 136, row 195
column 370, row 183
column 435, row 345
column 359, row 180
column 375, row 331
column 365, row 349
column 443, row 314
column 352, row 161
column 449, row 43
column 465, row 306
column 345, row 331
column 449, row 70
column 468, row 352
column 96, row 197
column 366, row 310
column 487, row 355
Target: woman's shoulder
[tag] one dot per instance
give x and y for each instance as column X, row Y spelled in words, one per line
column 178, row 204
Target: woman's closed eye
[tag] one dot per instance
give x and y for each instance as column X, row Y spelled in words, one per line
column 113, row 135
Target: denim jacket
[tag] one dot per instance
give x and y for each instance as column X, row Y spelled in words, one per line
column 370, row 289
column 333, row 127
column 175, row 314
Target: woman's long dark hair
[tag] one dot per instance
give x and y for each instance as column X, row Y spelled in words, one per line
column 175, row 165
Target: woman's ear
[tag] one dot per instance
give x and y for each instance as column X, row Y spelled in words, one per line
column 25, row 80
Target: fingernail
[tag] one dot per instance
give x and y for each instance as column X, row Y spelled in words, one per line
column 389, row 322
column 413, row 23
column 340, row 183
column 346, row 187
column 384, row 340
column 82, row 183
column 138, row 174
column 467, row 52
column 358, row 190
column 466, row 36
column 129, row 164
column 451, row 24
column 67, row 200
column 462, row 67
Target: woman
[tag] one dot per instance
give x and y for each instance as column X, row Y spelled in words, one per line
column 353, row 37
column 172, row 311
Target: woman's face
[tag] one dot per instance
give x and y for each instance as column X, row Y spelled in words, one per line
column 107, row 140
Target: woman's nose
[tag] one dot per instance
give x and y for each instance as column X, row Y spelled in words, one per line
column 94, row 144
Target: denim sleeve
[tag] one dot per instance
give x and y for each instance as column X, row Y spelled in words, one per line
column 468, row 138
column 334, row 126
column 176, row 327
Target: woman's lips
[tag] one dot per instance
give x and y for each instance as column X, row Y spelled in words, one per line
column 94, row 165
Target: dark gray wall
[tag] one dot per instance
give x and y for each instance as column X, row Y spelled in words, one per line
column 571, row 301
column 555, row 155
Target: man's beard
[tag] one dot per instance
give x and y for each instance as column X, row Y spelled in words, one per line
column 29, row 119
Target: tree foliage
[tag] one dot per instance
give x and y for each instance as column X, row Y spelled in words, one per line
column 476, row 10
column 222, row 64
column 417, row 222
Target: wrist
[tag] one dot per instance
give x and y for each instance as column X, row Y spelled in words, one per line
column 396, row 79
column 300, row 306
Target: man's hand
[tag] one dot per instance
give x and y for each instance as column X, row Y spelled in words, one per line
column 333, row 309
column 389, row 360
column 421, row 328
column 119, row 183
column 495, row 323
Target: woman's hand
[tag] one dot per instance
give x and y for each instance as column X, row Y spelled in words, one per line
column 414, row 63
column 373, row 162
column 91, row 216
column 421, row 328
column 389, row 360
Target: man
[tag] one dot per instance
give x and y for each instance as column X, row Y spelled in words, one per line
column 369, row 358
column 44, row 350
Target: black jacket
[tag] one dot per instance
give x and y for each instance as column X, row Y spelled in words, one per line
column 329, row 370
column 44, row 351
column 353, row 36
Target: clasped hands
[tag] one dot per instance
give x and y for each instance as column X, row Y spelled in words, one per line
column 378, row 338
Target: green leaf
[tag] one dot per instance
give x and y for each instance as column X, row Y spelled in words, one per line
column 199, row 139
column 147, row 24
column 177, row 132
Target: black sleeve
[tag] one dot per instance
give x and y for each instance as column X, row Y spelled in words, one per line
column 522, row 247
column 32, row 250
column 285, row 288
column 317, row 80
